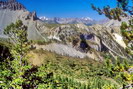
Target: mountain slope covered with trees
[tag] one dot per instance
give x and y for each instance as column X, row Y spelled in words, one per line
column 38, row 64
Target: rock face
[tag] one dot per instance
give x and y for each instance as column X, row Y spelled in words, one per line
column 11, row 4
column 29, row 19
column 11, row 11
column 76, row 40
column 62, row 49
column 90, row 40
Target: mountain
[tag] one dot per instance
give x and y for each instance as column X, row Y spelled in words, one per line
column 11, row 11
column 65, row 34
column 116, row 23
column 68, row 40
column 84, row 20
column 103, row 21
column 64, row 53
column 11, row 4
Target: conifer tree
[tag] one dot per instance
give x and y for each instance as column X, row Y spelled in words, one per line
column 123, row 9
column 17, row 35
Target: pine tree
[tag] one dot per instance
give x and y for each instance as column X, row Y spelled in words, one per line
column 17, row 34
column 121, row 10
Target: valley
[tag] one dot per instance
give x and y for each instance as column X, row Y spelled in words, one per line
column 63, row 53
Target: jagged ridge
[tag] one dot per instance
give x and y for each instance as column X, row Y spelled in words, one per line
column 11, row 4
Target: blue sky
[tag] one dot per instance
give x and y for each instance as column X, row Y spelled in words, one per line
column 66, row 8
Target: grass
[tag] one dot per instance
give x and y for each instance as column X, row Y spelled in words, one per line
column 84, row 72
column 52, row 25
column 75, row 73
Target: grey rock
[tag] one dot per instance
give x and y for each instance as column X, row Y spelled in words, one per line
column 11, row 4
column 8, row 16
column 100, row 39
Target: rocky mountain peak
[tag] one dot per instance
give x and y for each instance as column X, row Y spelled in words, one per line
column 11, row 0
column 11, row 5
column 58, row 20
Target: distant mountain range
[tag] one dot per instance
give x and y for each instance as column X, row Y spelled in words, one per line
column 68, row 37
column 84, row 20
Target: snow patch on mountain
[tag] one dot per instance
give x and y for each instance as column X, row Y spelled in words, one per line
column 84, row 20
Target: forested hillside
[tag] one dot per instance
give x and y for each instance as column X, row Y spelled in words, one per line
column 39, row 55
